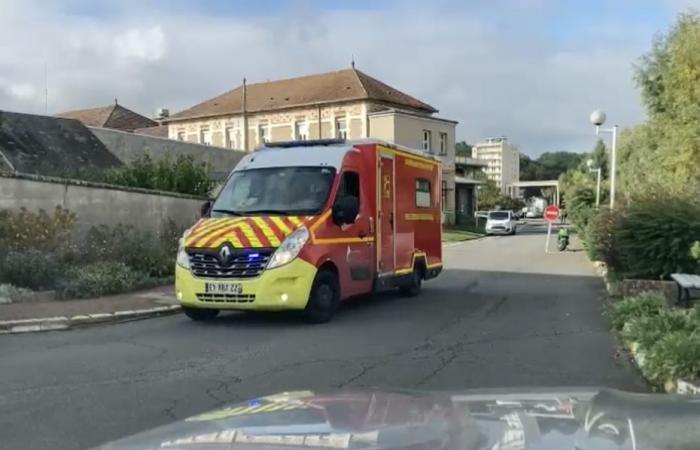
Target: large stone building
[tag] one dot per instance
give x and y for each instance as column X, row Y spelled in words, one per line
column 503, row 161
column 343, row 104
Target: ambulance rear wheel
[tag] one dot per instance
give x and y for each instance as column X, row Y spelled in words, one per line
column 324, row 298
column 414, row 286
column 200, row 315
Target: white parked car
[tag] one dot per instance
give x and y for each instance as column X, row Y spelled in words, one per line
column 500, row 222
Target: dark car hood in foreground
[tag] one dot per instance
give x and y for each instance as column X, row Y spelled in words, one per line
column 571, row 419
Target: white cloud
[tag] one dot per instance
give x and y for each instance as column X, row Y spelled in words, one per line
column 493, row 78
column 136, row 44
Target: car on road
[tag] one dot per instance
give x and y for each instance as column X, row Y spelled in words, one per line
column 472, row 420
column 304, row 225
column 500, row 222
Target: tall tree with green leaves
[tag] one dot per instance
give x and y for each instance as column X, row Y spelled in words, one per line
column 463, row 149
column 663, row 154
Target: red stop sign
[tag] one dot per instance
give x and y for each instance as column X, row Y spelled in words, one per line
column 551, row 213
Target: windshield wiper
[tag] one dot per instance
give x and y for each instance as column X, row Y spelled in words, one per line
column 227, row 211
column 267, row 211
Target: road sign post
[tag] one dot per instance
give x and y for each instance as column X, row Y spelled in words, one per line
column 551, row 215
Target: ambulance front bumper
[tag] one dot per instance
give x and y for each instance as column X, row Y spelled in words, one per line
column 282, row 288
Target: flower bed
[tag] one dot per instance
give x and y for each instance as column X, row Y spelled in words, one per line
column 665, row 342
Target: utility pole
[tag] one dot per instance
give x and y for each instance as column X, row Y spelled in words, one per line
column 245, row 116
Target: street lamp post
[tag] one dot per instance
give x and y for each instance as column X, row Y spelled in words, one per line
column 597, row 118
column 590, row 164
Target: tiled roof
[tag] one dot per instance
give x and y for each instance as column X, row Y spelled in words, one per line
column 331, row 87
column 51, row 146
column 112, row 116
column 157, row 131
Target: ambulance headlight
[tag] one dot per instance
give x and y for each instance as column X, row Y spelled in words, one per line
column 183, row 259
column 290, row 248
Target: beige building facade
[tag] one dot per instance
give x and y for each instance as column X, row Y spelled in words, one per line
column 346, row 104
column 503, row 161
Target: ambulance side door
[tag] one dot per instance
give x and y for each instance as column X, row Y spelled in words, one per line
column 358, row 254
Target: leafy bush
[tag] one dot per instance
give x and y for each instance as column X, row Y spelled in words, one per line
column 695, row 254
column 654, row 236
column 29, row 230
column 648, row 330
column 643, row 305
column 13, row 294
column 599, row 238
column 32, row 269
column 101, row 278
column 140, row 250
column 182, row 174
column 675, row 355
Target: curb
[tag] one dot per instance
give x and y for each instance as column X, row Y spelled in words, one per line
column 65, row 323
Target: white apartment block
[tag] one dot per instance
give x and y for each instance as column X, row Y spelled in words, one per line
column 503, row 159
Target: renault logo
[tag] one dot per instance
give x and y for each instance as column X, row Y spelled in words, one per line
column 225, row 255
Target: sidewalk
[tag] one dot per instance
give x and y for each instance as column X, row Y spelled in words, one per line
column 63, row 314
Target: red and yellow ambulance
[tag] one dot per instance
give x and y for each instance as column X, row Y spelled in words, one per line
column 304, row 225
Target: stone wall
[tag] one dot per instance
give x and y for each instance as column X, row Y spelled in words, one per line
column 96, row 203
column 127, row 146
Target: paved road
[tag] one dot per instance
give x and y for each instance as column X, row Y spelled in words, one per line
column 503, row 314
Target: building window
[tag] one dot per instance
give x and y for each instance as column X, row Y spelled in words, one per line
column 263, row 134
column 205, row 136
column 444, row 194
column 427, row 138
column 301, row 131
column 443, row 143
column 180, row 135
column 233, row 138
column 341, row 128
column 422, row 193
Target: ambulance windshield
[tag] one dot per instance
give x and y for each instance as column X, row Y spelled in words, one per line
column 276, row 190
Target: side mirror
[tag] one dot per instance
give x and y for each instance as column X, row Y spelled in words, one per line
column 345, row 210
column 205, row 209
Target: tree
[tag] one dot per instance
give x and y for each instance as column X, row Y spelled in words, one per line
column 662, row 154
column 599, row 155
column 463, row 149
column 489, row 195
column 549, row 165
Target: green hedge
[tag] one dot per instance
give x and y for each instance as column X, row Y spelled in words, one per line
column 655, row 235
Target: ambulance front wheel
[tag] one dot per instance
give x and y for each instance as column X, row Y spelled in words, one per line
column 324, row 297
column 199, row 315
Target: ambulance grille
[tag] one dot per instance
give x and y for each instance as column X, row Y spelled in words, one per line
column 226, row 298
column 243, row 263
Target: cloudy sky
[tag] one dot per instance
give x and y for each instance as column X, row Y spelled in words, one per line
column 528, row 69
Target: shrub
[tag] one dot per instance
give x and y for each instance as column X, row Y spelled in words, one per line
column 182, row 174
column 599, row 238
column 140, row 250
column 101, row 278
column 13, row 294
column 32, row 269
column 648, row 330
column 695, row 254
column 643, row 305
column 655, row 235
column 29, row 230
column 675, row 355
